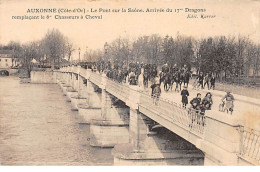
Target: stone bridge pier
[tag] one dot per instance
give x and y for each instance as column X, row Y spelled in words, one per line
column 64, row 82
column 91, row 107
column 81, row 96
column 151, row 144
column 111, row 127
column 69, row 88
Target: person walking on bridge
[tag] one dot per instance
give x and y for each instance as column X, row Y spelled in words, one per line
column 195, row 103
column 200, row 78
column 207, row 101
column 212, row 82
column 184, row 94
column 206, row 80
column 156, row 91
column 229, row 102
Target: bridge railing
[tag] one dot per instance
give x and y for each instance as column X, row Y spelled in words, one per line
column 95, row 78
column 118, row 89
column 83, row 72
column 250, row 145
column 187, row 118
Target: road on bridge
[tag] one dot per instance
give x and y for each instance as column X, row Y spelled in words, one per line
column 246, row 109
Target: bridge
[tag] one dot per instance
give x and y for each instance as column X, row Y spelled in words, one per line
column 9, row 70
column 146, row 131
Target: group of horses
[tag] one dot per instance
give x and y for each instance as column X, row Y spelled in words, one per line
column 133, row 74
column 136, row 74
column 178, row 77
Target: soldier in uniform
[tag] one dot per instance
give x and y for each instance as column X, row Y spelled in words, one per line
column 165, row 68
column 185, row 68
column 175, row 68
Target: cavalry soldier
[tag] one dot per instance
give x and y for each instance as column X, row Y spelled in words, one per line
column 165, row 68
column 185, row 68
column 175, row 68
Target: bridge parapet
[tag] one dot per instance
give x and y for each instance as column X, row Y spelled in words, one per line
column 250, row 145
column 95, row 78
column 188, row 119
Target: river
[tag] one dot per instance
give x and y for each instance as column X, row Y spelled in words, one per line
column 37, row 127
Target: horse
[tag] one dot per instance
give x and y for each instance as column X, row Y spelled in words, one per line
column 177, row 80
column 167, row 79
column 186, row 78
column 145, row 79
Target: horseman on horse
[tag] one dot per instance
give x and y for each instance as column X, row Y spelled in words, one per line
column 146, row 75
column 165, row 76
column 185, row 76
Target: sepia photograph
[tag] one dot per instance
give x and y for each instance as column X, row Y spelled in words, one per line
column 129, row 83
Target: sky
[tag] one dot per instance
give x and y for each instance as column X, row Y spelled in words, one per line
column 233, row 17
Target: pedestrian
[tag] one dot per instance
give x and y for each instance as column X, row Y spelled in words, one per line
column 195, row 103
column 184, row 94
column 212, row 82
column 196, row 83
column 203, row 109
column 206, row 80
column 207, row 101
column 141, row 79
column 200, row 78
column 229, row 102
column 156, row 92
column 132, row 78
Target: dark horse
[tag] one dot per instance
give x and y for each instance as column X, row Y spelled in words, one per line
column 146, row 78
column 177, row 80
column 186, row 78
column 167, row 79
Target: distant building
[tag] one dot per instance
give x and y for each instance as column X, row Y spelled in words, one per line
column 7, row 59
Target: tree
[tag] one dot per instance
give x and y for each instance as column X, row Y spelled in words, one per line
column 28, row 53
column 54, row 44
column 154, row 49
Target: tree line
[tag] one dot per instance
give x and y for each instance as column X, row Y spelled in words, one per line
column 224, row 56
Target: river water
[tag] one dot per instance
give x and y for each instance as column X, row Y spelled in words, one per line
column 37, row 127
